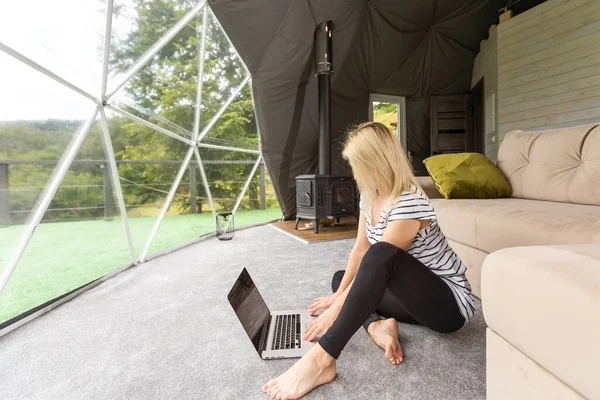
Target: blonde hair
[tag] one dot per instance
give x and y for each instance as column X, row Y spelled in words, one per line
column 378, row 162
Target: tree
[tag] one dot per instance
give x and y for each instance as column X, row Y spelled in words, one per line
column 165, row 89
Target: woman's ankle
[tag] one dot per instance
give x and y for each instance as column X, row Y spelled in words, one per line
column 373, row 325
column 322, row 358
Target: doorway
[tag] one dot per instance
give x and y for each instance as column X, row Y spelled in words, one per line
column 391, row 111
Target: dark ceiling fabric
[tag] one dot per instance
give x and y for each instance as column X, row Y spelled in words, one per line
column 399, row 47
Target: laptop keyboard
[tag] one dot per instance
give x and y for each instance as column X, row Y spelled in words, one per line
column 287, row 332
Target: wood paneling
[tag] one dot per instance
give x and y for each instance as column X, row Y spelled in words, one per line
column 486, row 67
column 537, row 97
column 555, row 120
column 568, row 76
column 575, row 18
column 549, row 54
column 452, row 141
column 571, row 31
column 549, row 67
column 544, row 71
column 539, row 15
column 451, row 124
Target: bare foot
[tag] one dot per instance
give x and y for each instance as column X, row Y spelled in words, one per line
column 315, row 368
column 385, row 334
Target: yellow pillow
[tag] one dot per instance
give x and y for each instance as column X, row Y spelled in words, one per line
column 467, row 176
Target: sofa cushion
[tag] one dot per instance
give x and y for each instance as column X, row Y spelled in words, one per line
column 495, row 224
column 556, row 165
column 467, row 176
column 512, row 375
column 544, row 301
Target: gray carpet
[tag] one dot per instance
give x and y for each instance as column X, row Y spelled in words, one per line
column 164, row 330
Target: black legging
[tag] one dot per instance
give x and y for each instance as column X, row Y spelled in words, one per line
column 392, row 283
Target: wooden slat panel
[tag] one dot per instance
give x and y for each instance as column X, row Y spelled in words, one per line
column 554, row 52
column 452, row 124
column 553, row 120
column 568, row 76
column 451, row 115
column 579, row 122
column 538, row 15
column 592, row 60
column 486, row 67
column 539, row 95
column 549, row 68
column 450, row 103
column 509, row 55
column 548, row 101
column 534, row 68
column 551, row 110
column 564, row 22
column 487, row 57
column 453, row 141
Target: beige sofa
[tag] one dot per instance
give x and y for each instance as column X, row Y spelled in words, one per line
column 542, row 308
column 540, row 286
column 555, row 176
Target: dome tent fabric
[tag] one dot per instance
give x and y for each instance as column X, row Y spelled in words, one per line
column 413, row 49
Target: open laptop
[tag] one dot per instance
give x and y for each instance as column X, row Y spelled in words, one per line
column 277, row 334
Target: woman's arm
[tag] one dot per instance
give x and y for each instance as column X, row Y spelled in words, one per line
column 356, row 255
column 358, row 251
column 401, row 233
column 325, row 320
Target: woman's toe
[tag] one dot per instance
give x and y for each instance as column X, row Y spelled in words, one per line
column 273, row 389
column 274, row 392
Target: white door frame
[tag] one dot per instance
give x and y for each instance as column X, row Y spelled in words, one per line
column 400, row 111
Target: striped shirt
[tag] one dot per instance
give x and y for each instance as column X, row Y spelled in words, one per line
column 429, row 245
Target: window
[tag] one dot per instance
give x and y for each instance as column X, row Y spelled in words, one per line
column 390, row 111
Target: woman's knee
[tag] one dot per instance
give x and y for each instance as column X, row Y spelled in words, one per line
column 380, row 254
column 336, row 280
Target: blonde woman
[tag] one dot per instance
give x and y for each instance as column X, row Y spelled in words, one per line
column 401, row 268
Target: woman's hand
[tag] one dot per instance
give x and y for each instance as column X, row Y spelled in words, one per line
column 321, row 324
column 322, row 303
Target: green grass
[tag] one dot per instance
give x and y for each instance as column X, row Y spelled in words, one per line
column 386, row 118
column 63, row 256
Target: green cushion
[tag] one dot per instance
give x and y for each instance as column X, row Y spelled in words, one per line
column 467, row 176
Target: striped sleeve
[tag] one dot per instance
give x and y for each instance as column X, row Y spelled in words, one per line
column 411, row 206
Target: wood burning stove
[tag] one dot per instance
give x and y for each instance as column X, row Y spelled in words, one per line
column 325, row 195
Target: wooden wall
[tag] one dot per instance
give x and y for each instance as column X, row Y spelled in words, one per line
column 486, row 67
column 549, row 67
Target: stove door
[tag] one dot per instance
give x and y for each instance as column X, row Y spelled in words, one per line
column 342, row 198
column 304, row 193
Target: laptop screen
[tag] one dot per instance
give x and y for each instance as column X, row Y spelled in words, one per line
column 250, row 308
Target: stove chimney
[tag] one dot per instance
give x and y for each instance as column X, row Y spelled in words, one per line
column 324, row 195
column 323, row 71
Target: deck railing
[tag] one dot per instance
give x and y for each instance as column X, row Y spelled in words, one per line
column 109, row 206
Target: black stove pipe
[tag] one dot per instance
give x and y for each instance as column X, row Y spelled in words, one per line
column 324, row 70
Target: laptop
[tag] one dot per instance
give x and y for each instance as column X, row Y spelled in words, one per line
column 278, row 334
